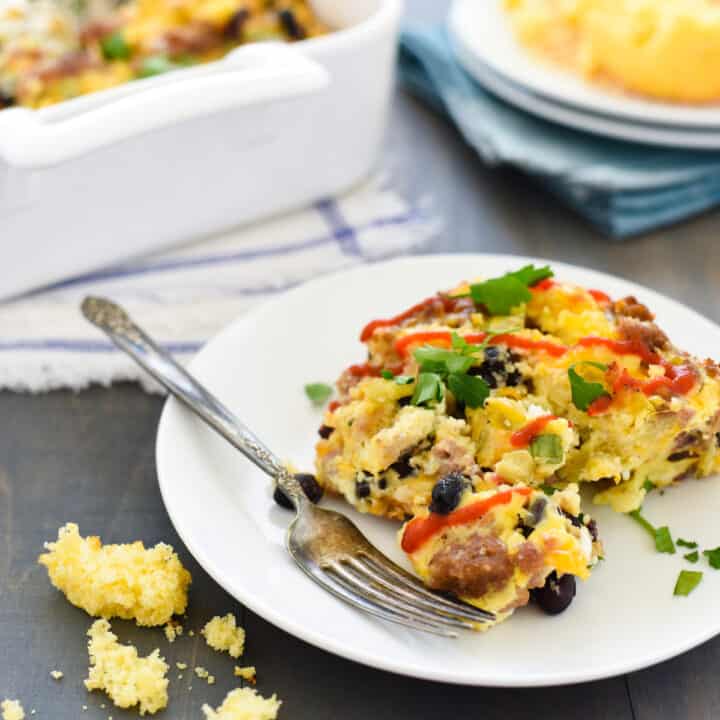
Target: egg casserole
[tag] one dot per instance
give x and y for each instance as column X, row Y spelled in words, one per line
column 48, row 54
column 520, row 381
column 665, row 50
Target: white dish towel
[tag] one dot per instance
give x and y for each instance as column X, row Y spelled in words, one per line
column 184, row 297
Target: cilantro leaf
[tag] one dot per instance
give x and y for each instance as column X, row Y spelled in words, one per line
column 687, row 581
column 428, row 389
column 547, row 447
column 318, row 392
column 661, row 536
column 686, row 543
column 469, row 389
column 647, row 487
column 404, row 379
column 713, row 557
column 500, row 295
column 663, row 540
column 584, row 393
column 530, row 275
column 387, row 375
column 692, row 557
column 548, row 489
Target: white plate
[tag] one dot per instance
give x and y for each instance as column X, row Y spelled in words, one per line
column 625, row 617
column 576, row 118
column 483, row 30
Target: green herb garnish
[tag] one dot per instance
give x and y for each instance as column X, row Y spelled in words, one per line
column 157, row 65
column 687, row 581
column 692, row 557
column 469, row 389
column 318, row 393
column 404, row 379
column 547, row 447
column 431, row 359
column 548, row 489
column 500, row 295
column 686, row 543
column 584, row 393
column 647, row 487
column 713, row 557
column 428, row 389
column 661, row 536
column 387, row 375
column 114, row 47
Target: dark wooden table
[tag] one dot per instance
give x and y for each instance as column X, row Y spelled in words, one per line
column 89, row 458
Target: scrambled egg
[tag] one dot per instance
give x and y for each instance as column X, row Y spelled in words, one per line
column 125, row 581
column 223, row 634
column 666, row 50
column 244, row 704
column 126, row 678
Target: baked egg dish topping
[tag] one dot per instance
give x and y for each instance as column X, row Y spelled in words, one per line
column 513, row 392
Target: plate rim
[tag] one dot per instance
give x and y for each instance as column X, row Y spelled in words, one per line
column 327, row 642
column 591, row 98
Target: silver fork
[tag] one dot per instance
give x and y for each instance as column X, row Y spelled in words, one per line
column 325, row 544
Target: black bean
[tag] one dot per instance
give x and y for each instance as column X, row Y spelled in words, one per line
column 497, row 368
column 382, row 483
column 291, row 25
column 574, row 519
column 403, row 401
column 537, row 510
column 557, row 593
column 325, row 431
column 362, row 489
column 447, row 492
column 312, row 489
column 402, row 466
column 717, row 439
column 236, row 24
column 593, row 530
column 6, row 101
column 682, row 455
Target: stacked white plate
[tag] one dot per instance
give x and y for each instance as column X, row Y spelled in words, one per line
column 486, row 47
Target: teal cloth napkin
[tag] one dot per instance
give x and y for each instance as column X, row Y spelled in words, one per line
column 623, row 188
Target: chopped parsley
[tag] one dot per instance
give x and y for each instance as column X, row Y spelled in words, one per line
column 399, row 379
column 319, row 393
column 547, row 447
column 114, row 47
column 692, row 557
column 548, row 489
column 713, row 557
column 387, row 375
column 471, row 390
column 686, row 543
column 584, row 393
column 661, row 536
column 500, row 295
column 647, row 487
column 687, row 581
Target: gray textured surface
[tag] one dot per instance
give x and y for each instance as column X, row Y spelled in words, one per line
column 89, row 458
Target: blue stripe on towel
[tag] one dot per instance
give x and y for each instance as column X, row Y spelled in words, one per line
column 88, row 346
column 342, row 231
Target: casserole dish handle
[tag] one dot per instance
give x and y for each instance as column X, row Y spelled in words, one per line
column 248, row 76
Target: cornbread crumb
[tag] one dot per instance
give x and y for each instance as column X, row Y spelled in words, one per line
column 173, row 630
column 56, row 675
column 12, row 710
column 244, row 704
column 246, row 673
column 201, row 672
column 222, row 633
column 181, row 665
column 125, row 581
column 84, row 707
column 127, row 679
column 211, row 679
column 191, row 633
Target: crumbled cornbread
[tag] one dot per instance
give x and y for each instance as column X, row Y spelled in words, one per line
column 210, row 679
column 244, row 704
column 191, row 633
column 201, row 672
column 173, row 630
column 127, row 679
column 222, row 633
column 181, row 665
column 56, row 674
column 125, row 581
column 246, row 673
column 12, row 710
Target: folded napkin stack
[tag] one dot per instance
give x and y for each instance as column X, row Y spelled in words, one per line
column 623, row 188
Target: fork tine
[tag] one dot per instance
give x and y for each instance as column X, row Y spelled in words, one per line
column 409, row 594
column 364, row 585
column 396, row 576
column 334, row 585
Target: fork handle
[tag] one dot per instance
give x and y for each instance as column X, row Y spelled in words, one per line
column 131, row 339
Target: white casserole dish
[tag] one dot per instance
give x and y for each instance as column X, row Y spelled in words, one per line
column 149, row 164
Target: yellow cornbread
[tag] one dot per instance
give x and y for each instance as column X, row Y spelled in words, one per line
column 667, row 50
column 125, row 581
column 244, row 704
column 246, row 673
column 126, row 678
column 222, row 633
column 12, row 710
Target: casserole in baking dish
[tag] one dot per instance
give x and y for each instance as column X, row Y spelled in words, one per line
column 144, row 165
